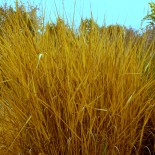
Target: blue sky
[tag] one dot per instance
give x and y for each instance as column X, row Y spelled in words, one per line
column 123, row 12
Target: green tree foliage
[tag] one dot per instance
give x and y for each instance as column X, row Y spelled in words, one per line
column 151, row 16
column 150, row 28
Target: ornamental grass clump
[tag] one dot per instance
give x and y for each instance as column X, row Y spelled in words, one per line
column 63, row 92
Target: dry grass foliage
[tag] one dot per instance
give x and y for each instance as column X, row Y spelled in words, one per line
column 65, row 93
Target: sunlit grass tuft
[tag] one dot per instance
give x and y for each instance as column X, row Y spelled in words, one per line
column 63, row 93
